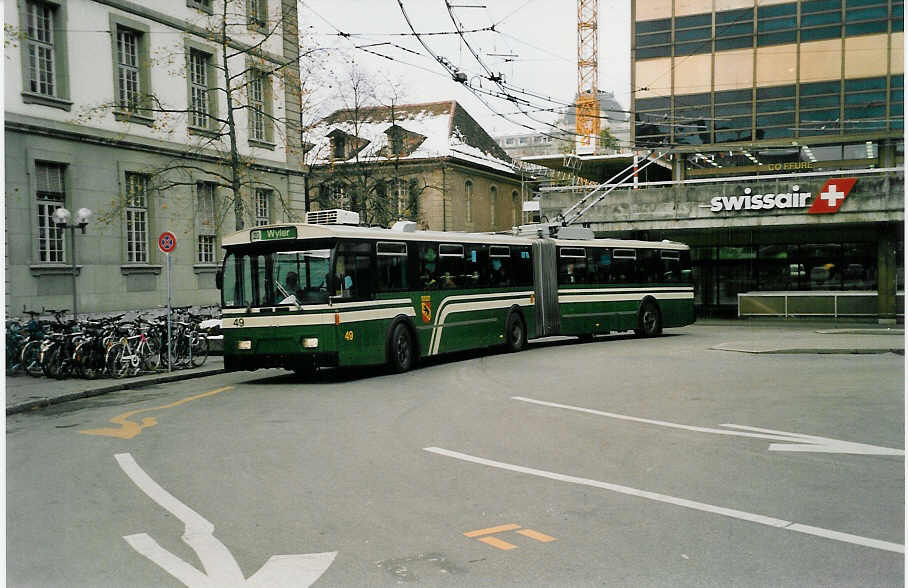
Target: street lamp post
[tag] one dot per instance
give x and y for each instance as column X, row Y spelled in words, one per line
column 61, row 218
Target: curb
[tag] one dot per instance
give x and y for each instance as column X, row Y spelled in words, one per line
column 127, row 385
column 815, row 351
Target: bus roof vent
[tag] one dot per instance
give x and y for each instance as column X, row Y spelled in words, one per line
column 404, row 227
column 334, row 216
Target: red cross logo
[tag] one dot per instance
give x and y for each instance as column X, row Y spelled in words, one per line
column 832, row 195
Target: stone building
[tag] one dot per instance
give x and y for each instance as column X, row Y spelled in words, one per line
column 119, row 107
column 431, row 163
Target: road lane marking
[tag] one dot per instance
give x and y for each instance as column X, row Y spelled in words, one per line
column 485, row 535
column 536, row 535
column 793, row 441
column 492, row 530
column 129, row 429
column 496, row 542
column 221, row 568
column 683, row 502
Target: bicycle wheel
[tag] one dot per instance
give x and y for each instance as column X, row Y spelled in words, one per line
column 88, row 359
column 52, row 361
column 198, row 348
column 117, row 365
column 151, row 357
column 79, row 353
column 31, row 358
column 13, row 353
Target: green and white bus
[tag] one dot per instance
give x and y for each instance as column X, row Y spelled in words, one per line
column 300, row 296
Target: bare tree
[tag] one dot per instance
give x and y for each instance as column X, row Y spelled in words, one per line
column 241, row 75
column 363, row 174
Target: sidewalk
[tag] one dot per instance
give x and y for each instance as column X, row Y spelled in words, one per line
column 24, row 393
column 816, row 337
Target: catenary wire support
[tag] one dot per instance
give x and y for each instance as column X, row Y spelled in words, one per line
column 575, row 212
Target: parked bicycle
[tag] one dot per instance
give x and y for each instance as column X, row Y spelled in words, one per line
column 134, row 352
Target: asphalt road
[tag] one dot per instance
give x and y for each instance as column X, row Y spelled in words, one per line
column 620, row 462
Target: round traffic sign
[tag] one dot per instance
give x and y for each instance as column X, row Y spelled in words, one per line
column 167, row 242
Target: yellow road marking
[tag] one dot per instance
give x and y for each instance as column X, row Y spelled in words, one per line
column 492, row 530
column 536, row 535
column 496, row 542
column 129, row 429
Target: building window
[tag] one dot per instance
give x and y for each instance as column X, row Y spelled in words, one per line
column 198, row 89
column 339, row 146
column 865, row 99
column 820, row 105
column 257, row 13
column 651, row 120
column 128, row 85
column 207, row 231
column 40, row 48
column 262, row 207
column 653, row 38
column 734, row 29
column 693, row 34
column 493, row 204
column 203, row 5
column 821, row 19
column 259, row 98
column 136, row 218
column 468, row 199
column 50, row 196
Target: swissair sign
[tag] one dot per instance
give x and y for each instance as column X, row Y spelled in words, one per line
column 828, row 200
column 831, row 197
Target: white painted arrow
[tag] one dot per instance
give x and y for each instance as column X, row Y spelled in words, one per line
column 221, row 569
column 792, row 441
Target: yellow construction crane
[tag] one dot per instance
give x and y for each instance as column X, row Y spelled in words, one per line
column 587, row 120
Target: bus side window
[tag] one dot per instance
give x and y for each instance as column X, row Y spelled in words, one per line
column 500, row 273
column 522, row 261
column 450, row 266
column 572, row 266
column 649, row 266
column 603, row 261
column 671, row 266
column 472, row 266
column 353, row 276
column 391, row 263
column 623, row 266
column 427, row 268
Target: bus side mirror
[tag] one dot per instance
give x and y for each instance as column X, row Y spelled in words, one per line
column 219, row 279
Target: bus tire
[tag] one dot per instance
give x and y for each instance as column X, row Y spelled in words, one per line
column 401, row 351
column 649, row 320
column 515, row 333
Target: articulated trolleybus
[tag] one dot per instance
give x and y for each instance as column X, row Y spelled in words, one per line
column 300, row 296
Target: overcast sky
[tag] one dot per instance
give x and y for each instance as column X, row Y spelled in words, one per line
column 534, row 45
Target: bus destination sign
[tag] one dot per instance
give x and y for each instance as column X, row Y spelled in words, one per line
column 274, row 234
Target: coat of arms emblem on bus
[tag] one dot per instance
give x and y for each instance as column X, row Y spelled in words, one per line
column 425, row 304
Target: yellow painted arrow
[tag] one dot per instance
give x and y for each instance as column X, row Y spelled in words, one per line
column 129, row 429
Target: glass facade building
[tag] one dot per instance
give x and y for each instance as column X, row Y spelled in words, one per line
column 747, row 92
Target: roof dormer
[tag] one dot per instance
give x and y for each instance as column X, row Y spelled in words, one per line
column 344, row 145
column 401, row 142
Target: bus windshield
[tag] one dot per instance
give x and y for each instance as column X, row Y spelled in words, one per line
column 276, row 278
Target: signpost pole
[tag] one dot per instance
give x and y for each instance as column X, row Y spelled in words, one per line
column 169, row 318
column 167, row 242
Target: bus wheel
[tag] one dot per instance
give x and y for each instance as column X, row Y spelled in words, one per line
column 649, row 320
column 402, row 353
column 516, row 333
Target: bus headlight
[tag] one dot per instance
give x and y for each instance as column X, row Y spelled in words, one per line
column 247, row 345
column 310, row 343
